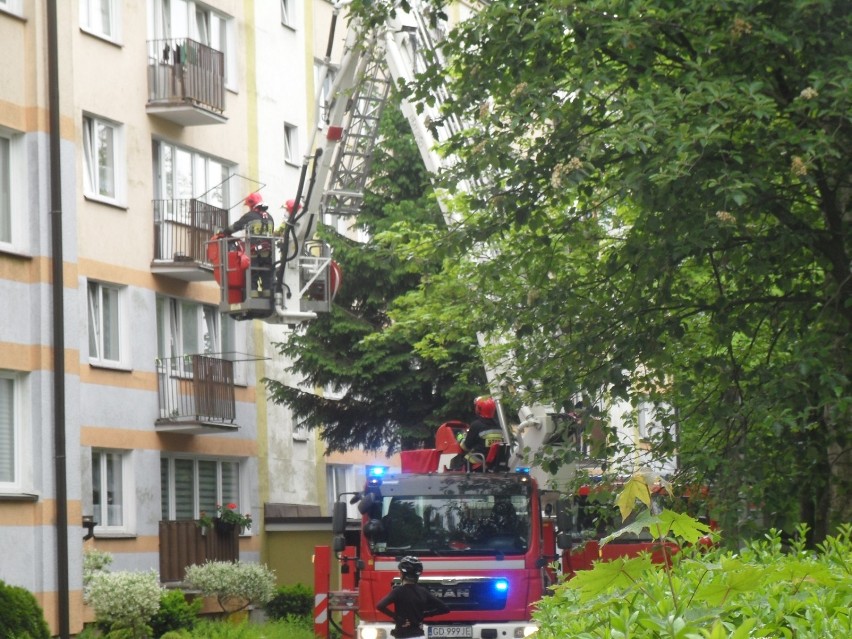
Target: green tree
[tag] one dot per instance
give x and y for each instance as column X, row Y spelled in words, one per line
column 664, row 216
column 385, row 392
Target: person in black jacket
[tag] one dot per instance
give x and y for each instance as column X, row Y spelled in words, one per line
column 411, row 602
column 257, row 221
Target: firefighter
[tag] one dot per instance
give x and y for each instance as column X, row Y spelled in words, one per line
column 411, row 602
column 257, row 221
column 482, row 433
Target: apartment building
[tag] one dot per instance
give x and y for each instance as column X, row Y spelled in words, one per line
column 139, row 405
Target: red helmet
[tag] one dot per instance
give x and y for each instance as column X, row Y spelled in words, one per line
column 485, row 407
column 291, row 206
column 253, row 200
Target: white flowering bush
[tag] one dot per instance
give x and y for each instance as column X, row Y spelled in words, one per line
column 235, row 585
column 124, row 600
column 95, row 561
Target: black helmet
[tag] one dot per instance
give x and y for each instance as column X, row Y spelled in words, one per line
column 411, row 567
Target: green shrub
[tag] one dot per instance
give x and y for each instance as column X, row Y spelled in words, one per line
column 20, row 615
column 763, row 590
column 291, row 601
column 175, row 613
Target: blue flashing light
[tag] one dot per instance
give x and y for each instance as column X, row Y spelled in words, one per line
column 501, row 585
column 376, row 471
column 523, row 470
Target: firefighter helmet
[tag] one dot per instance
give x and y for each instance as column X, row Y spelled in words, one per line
column 291, row 207
column 485, row 407
column 253, row 200
column 411, row 567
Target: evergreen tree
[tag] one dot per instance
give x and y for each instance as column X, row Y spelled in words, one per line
column 364, row 391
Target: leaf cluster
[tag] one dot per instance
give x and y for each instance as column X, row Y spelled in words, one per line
column 662, row 217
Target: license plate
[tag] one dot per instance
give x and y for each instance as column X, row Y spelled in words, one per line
column 450, row 631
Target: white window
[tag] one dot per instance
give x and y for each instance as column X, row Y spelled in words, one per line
column 190, row 486
column 12, row 216
column 324, row 78
column 185, row 327
column 107, row 342
column 103, row 160
column 183, row 174
column 112, row 492
column 10, row 432
column 176, row 19
column 340, row 479
column 101, row 18
column 12, row 6
column 291, row 144
column 288, row 13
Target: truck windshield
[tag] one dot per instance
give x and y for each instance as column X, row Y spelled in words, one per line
column 454, row 524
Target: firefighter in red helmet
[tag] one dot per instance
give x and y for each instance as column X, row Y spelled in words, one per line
column 482, row 433
column 257, row 222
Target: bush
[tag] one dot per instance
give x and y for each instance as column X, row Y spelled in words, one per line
column 175, row 613
column 235, row 585
column 125, row 602
column 291, row 601
column 761, row 591
column 20, row 615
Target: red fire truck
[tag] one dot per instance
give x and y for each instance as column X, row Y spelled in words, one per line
column 485, row 535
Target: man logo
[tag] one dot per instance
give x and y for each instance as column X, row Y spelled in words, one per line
column 450, row 592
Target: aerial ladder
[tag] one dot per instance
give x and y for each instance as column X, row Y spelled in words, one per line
column 334, row 172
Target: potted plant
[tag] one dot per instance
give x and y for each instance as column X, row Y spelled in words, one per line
column 226, row 519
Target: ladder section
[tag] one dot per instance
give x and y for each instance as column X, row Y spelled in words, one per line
column 350, row 167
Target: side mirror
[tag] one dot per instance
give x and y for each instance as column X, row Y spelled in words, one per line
column 338, row 544
column 564, row 541
column 338, row 518
column 366, row 503
column 564, row 515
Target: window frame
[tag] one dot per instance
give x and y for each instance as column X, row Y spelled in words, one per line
column 92, row 182
column 288, row 14
column 123, row 360
column 12, row 154
column 21, row 476
column 291, row 144
column 168, row 496
column 89, row 23
column 14, row 7
column 128, row 492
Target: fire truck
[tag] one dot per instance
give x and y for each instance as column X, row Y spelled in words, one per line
column 486, row 535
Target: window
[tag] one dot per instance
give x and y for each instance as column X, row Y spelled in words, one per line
column 188, row 19
column 103, row 159
column 112, row 493
column 340, row 478
column 12, row 6
column 185, row 327
column 101, row 18
column 291, row 144
column 10, row 435
column 191, row 486
column 183, row 174
column 12, row 232
column 325, row 75
column 287, row 13
column 106, row 334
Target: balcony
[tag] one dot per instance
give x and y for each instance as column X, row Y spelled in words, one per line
column 183, row 543
column 196, row 395
column 181, row 231
column 186, row 82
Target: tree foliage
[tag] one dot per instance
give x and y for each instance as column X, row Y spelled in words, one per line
column 664, row 218
column 360, row 392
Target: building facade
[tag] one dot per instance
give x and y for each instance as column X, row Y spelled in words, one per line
column 165, row 114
